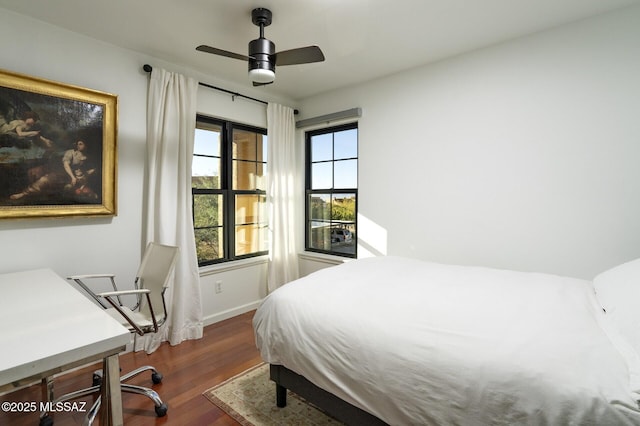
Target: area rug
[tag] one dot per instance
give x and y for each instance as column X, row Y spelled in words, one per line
column 250, row 398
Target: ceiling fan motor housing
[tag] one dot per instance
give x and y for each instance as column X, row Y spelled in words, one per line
column 260, row 52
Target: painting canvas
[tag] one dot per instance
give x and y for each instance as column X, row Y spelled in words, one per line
column 57, row 149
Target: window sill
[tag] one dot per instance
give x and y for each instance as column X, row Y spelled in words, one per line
column 323, row 258
column 233, row 265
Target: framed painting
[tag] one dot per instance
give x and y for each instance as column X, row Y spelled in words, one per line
column 57, row 149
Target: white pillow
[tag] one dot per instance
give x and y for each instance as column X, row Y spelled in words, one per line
column 618, row 290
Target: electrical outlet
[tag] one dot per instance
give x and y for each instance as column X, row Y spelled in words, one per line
column 218, row 287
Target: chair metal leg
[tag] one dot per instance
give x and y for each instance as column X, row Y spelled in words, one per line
column 138, row 371
column 95, row 408
column 141, row 390
column 47, row 396
column 93, row 412
column 47, row 389
column 78, row 394
column 160, row 407
column 68, row 397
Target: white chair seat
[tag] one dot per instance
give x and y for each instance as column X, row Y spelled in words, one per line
column 141, row 320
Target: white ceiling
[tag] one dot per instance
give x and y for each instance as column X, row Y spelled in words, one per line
column 361, row 39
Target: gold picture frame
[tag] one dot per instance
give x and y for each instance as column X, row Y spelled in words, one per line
column 57, row 149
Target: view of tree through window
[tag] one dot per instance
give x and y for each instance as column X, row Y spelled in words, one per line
column 228, row 186
column 332, row 190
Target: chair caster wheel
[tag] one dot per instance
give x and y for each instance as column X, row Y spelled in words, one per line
column 156, row 377
column 46, row 421
column 161, row 410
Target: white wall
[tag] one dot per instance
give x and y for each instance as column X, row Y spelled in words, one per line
column 85, row 245
column 523, row 155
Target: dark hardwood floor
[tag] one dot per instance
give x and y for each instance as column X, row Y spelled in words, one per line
column 190, row 368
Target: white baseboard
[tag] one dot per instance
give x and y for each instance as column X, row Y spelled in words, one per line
column 230, row 313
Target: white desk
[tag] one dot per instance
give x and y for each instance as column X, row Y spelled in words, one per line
column 47, row 326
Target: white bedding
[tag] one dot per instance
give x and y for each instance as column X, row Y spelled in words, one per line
column 421, row 343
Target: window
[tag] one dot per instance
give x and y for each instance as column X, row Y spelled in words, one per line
column 332, row 190
column 228, row 186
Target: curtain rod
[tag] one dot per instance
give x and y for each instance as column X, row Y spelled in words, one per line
column 148, row 68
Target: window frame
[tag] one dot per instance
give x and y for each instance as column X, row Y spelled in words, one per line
column 226, row 190
column 329, row 191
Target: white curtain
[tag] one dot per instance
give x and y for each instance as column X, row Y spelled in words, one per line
column 171, row 121
column 281, row 196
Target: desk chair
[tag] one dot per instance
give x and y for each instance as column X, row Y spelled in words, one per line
column 148, row 314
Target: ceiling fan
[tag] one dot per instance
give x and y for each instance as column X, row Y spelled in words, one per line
column 262, row 56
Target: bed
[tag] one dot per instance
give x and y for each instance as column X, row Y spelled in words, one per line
column 407, row 342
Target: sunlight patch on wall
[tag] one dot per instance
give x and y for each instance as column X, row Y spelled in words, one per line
column 372, row 238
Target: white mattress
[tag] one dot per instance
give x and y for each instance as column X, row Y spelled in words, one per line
column 420, row 343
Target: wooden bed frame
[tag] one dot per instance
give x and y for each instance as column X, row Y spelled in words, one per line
column 327, row 402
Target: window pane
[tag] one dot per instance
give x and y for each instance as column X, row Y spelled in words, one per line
column 207, row 210
column 322, row 147
column 343, row 208
column 320, row 207
column 261, row 179
column 205, row 172
column 346, row 144
column 207, row 142
column 345, row 174
column 320, row 235
column 343, row 239
column 343, row 223
column 251, row 224
column 322, row 175
column 251, row 239
column 261, row 148
column 209, row 244
column 251, row 209
column 244, row 175
column 244, row 145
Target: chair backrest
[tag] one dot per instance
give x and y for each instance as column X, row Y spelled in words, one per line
column 155, row 273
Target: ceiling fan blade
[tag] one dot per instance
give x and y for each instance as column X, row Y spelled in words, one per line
column 301, row 55
column 261, row 84
column 216, row 51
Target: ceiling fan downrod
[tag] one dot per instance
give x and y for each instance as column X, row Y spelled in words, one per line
column 261, row 49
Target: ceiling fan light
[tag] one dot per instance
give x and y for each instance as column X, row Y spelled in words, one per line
column 261, row 75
